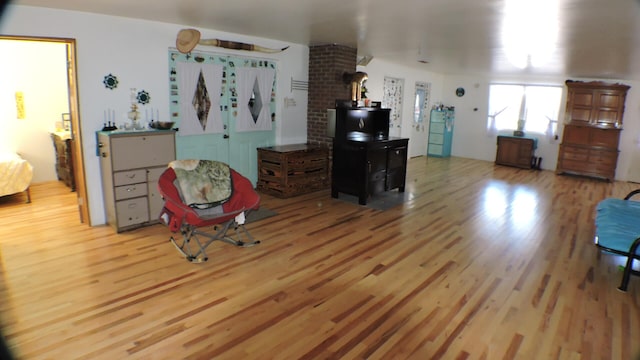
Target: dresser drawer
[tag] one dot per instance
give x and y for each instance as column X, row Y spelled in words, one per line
column 573, row 165
column 603, row 158
column 437, row 127
column 606, row 138
column 148, row 150
column 131, row 212
column 436, row 139
column 129, row 177
column 574, row 153
column 130, row 191
column 434, row 149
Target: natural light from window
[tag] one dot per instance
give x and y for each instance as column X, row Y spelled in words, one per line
column 532, row 109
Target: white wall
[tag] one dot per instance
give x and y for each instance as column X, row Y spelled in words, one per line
column 470, row 139
column 39, row 71
column 136, row 52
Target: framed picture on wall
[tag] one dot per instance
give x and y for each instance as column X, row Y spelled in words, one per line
column 392, row 99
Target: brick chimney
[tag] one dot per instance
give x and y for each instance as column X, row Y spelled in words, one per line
column 327, row 64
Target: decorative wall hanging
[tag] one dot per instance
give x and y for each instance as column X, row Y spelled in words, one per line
column 392, row 99
column 20, row 105
column 110, row 81
column 188, row 39
column 143, row 97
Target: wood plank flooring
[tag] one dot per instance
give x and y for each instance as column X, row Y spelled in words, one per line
column 483, row 262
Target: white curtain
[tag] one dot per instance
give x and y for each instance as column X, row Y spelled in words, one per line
column 552, row 130
column 245, row 79
column 265, row 84
column 188, row 75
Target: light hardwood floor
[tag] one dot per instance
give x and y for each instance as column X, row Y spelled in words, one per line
column 484, row 262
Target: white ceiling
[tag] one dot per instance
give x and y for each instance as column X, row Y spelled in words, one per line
column 582, row 38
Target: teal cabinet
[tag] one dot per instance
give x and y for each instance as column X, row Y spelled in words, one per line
column 440, row 132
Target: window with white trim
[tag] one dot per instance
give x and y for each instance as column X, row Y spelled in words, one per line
column 532, row 109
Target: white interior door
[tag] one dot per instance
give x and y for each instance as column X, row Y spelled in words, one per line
column 419, row 127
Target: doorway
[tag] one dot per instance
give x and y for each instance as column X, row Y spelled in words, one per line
column 418, row 143
column 32, row 134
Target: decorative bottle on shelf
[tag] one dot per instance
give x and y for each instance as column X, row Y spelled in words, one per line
column 134, row 114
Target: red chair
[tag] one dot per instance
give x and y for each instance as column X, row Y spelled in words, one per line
column 180, row 217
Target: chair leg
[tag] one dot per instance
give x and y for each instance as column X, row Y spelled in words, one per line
column 241, row 232
column 185, row 247
column 628, row 270
column 191, row 238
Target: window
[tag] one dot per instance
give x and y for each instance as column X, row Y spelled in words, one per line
column 532, row 109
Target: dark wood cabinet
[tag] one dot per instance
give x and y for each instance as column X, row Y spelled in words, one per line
column 591, row 134
column 366, row 161
column 64, row 159
column 367, row 168
column 516, row 151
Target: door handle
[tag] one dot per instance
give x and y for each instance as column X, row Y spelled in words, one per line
column 225, row 136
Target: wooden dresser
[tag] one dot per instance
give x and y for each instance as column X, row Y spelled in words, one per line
column 290, row 170
column 131, row 163
column 593, row 122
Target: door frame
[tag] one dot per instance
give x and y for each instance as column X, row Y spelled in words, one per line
column 77, row 154
column 419, row 132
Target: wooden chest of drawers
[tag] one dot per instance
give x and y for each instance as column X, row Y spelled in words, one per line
column 290, row 170
column 588, row 161
column 589, row 151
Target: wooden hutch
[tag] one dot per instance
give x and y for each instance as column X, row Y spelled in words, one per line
column 366, row 160
column 593, row 121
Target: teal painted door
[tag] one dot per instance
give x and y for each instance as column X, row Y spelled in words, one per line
column 226, row 137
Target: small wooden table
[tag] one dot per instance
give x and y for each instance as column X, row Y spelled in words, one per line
column 290, row 170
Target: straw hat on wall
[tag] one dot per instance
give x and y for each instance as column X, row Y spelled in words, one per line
column 187, row 40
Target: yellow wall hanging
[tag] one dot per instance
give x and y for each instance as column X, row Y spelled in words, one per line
column 20, row 105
